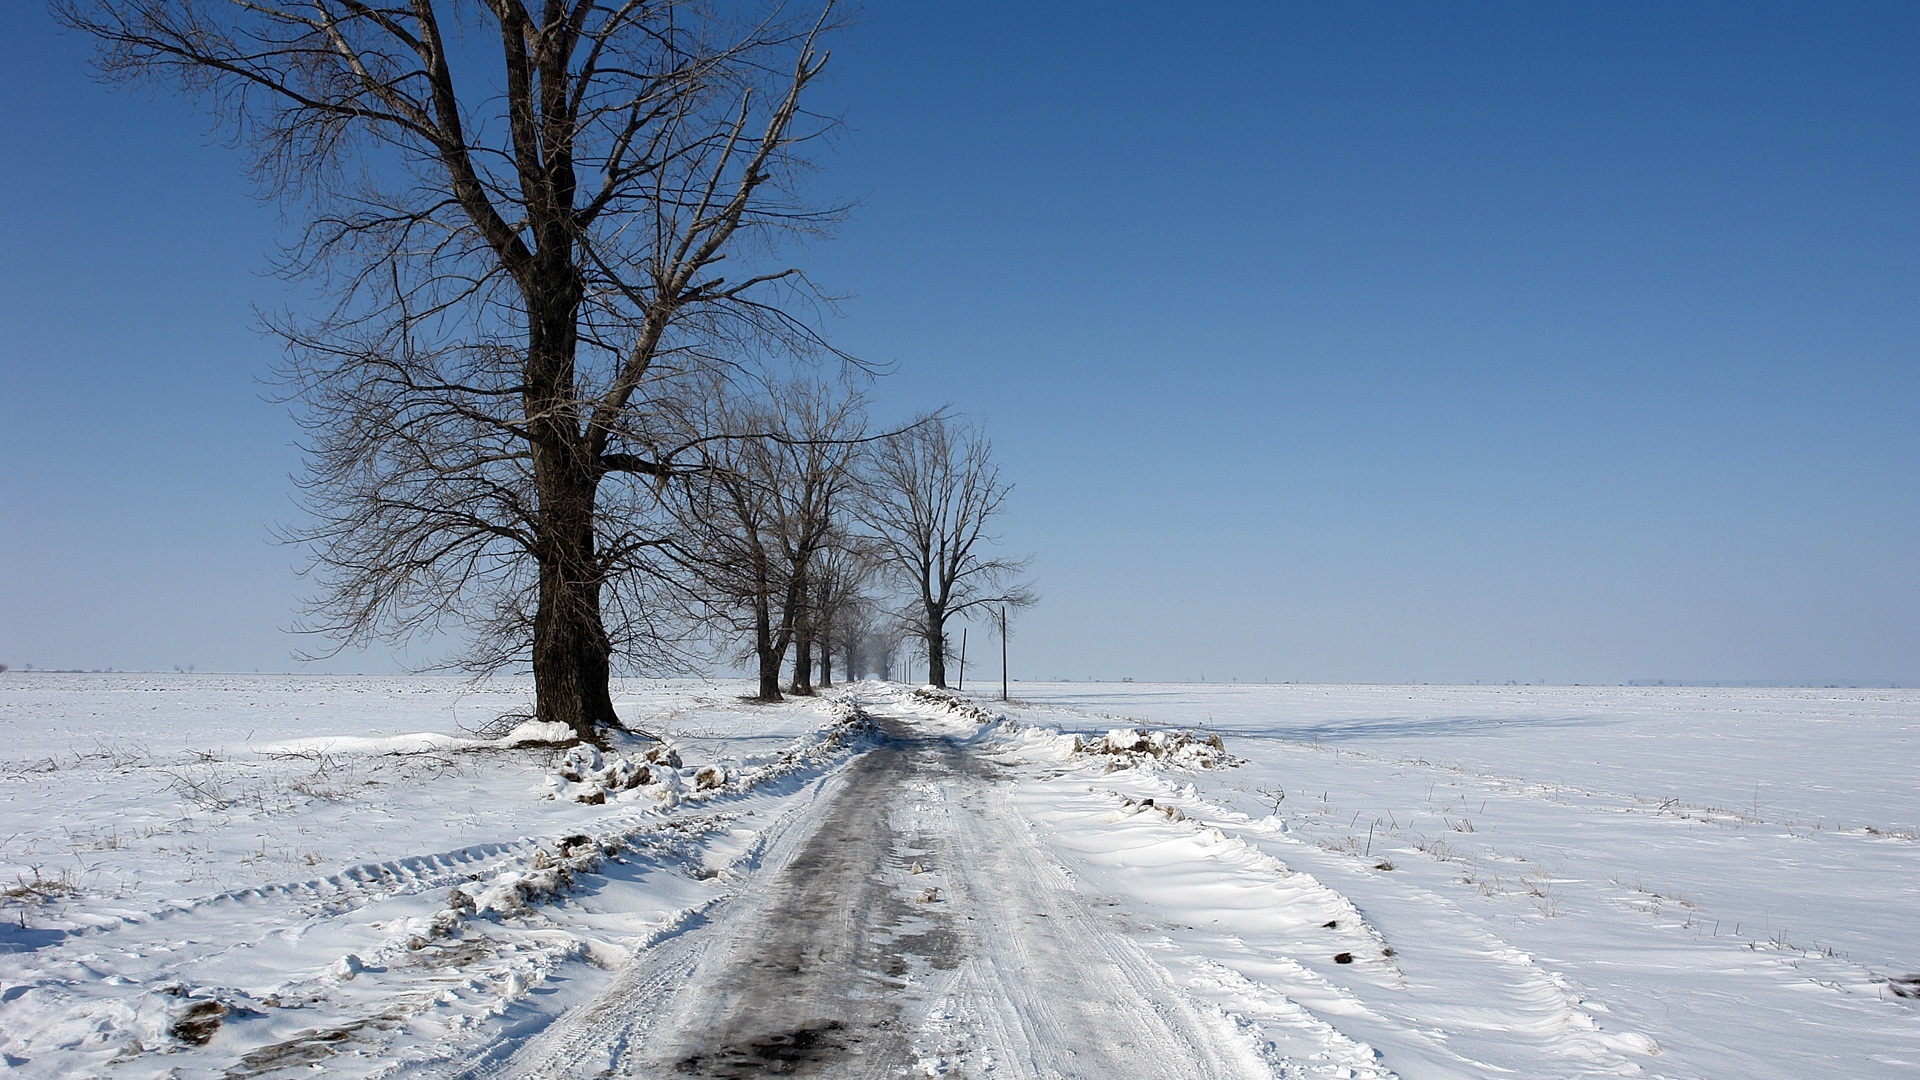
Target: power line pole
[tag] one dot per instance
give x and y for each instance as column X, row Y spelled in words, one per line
column 1003, row 652
column 963, row 660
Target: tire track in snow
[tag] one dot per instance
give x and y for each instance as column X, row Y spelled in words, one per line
column 275, row 952
column 1247, row 952
column 360, row 885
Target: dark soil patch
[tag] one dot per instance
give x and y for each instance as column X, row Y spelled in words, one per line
column 196, row 1025
column 783, row 1054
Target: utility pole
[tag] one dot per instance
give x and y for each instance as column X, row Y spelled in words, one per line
column 1003, row 652
column 963, row 660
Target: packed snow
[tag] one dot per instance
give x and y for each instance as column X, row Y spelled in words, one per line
column 248, row 875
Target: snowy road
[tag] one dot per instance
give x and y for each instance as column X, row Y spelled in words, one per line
column 915, row 924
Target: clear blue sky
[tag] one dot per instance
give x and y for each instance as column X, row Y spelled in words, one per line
column 1324, row 342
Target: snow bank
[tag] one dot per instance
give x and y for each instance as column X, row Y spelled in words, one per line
column 1118, row 748
column 529, row 733
column 1177, row 746
column 1124, row 747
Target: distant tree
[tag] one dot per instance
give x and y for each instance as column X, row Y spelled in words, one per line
column 824, row 433
column 840, row 608
column 930, row 496
column 875, row 647
column 524, row 214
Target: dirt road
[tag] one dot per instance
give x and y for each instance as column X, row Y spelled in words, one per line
column 911, row 925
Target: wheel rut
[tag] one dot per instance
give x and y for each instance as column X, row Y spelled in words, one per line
column 820, row 975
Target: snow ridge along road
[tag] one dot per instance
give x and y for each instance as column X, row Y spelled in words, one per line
column 918, row 926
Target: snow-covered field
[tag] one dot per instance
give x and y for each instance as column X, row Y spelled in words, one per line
column 1687, row 881
column 247, row 875
column 280, row 853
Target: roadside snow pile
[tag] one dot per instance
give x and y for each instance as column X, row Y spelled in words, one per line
column 513, row 892
column 851, row 724
column 1177, row 746
column 1125, row 746
column 589, row 776
column 951, row 702
column 1120, row 748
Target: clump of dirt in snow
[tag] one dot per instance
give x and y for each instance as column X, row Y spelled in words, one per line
column 196, row 1023
column 1177, row 746
column 1172, row 812
column 1906, row 986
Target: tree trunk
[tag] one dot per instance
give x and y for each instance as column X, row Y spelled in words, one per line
column 936, row 653
column 783, row 633
column 803, row 651
column 572, row 656
column 764, row 647
column 770, row 677
column 826, row 661
column 802, row 665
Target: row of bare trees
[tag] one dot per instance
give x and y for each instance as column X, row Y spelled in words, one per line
column 553, row 238
column 809, row 533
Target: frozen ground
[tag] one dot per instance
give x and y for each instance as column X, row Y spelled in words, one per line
column 233, row 876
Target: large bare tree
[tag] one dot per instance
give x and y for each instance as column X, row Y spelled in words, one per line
column 931, row 495
column 522, row 212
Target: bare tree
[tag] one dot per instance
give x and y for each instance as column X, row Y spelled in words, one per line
column 763, row 505
column 730, row 546
column 931, row 493
column 521, row 211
